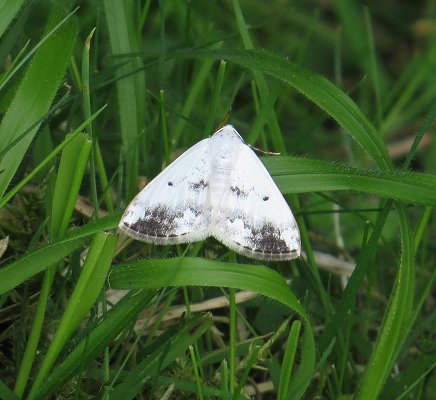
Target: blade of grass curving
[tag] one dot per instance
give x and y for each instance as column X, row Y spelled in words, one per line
column 395, row 325
column 316, row 88
column 304, row 373
column 190, row 271
column 69, row 177
column 102, row 224
column 302, row 175
column 425, row 127
column 418, row 308
column 200, row 272
column 88, row 287
column 130, row 89
column 249, row 365
column 35, row 333
column 35, row 93
column 19, row 271
column 120, row 316
column 86, row 89
column 196, row 373
column 288, row 360
column 216, row 95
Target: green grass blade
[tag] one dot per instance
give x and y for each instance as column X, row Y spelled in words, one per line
column 355, row 21
column 88, row 287
column 288, row 360
column 396, row 320
column 400, row 386
column 165, row 352
column 373, row 68
column 6, row 393
column 86, row 89
column 201, row 272
column 353, row 285
column 164, row 127
column 198, row 82
column 302, row 175
column 232, row 340
column 249, row 365
column 109, row 327
column 261, row 84
column 425, row 126
column 408, row 93
column 211, row 115
column 196, row 373
column 102, row 224
column 189, row 271
column 22, row 60
column 69, row 177
column 21, row 270
column 35, row 94
column 316, row 88
column 131, row 93
column 48, row 159
column 35, row 333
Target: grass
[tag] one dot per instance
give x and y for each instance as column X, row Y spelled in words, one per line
column 97, row 95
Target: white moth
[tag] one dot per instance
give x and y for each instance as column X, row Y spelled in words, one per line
column 218, row 188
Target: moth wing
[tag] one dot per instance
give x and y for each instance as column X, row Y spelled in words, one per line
column 253, row 218
column 173, row 207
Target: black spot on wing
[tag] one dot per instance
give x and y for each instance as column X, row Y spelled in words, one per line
column 264, row 237
column 238, row 192
column 161, row 221
column 267, row 239
column 198, row 186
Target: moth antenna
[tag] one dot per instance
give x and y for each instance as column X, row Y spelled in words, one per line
column 263, row 152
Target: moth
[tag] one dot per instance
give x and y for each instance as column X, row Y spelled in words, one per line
column 218, row 188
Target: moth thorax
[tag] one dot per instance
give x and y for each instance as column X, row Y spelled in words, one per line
column 221, row 169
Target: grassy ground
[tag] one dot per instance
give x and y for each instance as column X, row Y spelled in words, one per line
column 95, row 98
